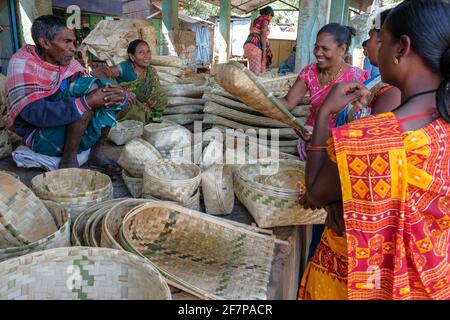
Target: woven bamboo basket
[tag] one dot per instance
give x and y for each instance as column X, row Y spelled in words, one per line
column 184, row 90
column 273, row 205
column 79, row 225
column 126, row 131
column 171, row 179
column 167, row 61
column 135, row 155
column 74, row 189
column 23, row 217
column 81, row 273
column 95, row 229
column 218, row 191
column 167, row 135
column 212, row 154
column 5, row 145
column 194, row 202
column 191, row 152
column 243, row 84
column 200, row 254
column 61, row 238
column 113, row 219
column 11, row 174
column 280, row 86
column 134, row 185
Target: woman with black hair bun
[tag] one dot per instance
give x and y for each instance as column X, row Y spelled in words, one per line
column 141, row 80
column 332, row 44
column 256, row 47
column 387, row 176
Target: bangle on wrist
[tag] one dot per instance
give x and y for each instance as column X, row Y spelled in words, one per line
column 317, row 148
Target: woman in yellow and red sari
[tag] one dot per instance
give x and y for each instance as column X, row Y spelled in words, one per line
column 256, row 48
column 385, row 179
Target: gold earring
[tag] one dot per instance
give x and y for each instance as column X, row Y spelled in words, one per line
column 396, row 61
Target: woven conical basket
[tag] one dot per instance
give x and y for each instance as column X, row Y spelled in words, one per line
column 245, row 86
column 274, row 204
column 171, row 180
column 200, row 254
column 136, row 154
column 218, row 190
column 126, row 131
column 81, row 273
column 23, row 217
column 61, row 238
column 75, row 189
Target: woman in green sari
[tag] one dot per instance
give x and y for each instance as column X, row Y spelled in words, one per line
column 147, row 100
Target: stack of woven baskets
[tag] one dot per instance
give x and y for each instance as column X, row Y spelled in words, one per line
column 74, row 189
column 135, row 155
column 26, row 223
column 269, row 190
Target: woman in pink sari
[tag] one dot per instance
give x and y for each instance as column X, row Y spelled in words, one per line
column 332, row 44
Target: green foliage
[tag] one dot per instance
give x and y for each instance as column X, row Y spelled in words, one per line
column 200, row 9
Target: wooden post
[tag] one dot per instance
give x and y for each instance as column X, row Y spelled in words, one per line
column 340, row 11
column 170, row 23
column 224, row 27
column 312, row 16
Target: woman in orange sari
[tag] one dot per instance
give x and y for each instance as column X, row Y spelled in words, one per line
column 385, row 179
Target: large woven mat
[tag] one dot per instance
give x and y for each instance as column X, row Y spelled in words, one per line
column 200, row 254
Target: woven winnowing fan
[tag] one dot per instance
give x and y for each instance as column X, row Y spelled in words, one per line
column 244, row 85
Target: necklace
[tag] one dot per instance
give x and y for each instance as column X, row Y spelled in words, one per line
column 412, row 97
column 334, row 78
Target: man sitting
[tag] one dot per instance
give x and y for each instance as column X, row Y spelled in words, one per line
column 53, row 105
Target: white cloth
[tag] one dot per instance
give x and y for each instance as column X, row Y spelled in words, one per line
column 24, row 157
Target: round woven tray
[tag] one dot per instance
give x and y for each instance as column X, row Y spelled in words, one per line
column 80, row 273
column 198, row 253
column 75, row 189
column 134, row 185
column 61, row 238
column 135, row 155
column 71, row 185
column 274, row 204
column 23, row 217
column 126, row 131
column 218, row 191
column 171, row 180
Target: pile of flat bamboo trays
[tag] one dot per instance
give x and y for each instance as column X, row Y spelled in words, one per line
column 28, row 224
column 270, row 192
column 203, row 255
column 80, row 273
